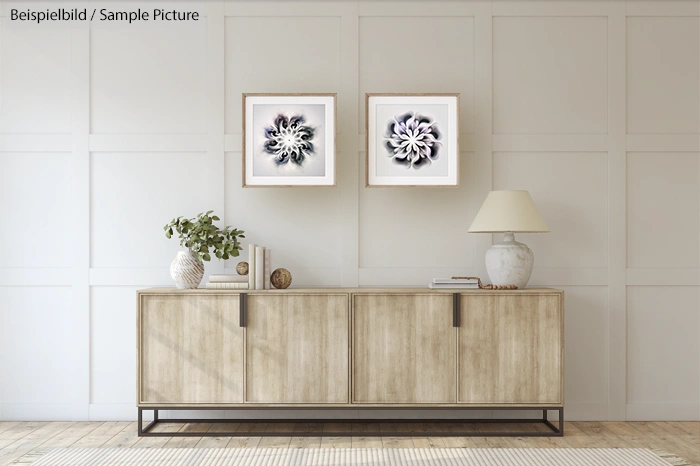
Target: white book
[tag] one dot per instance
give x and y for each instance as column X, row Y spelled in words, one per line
column 251, row 266
column 227, row 286
column 455, row 280
column 228, row 278
column 259, row 268
column 455, row 286
column 268, row 270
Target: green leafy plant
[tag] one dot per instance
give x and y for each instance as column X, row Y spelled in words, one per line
column 200, row 234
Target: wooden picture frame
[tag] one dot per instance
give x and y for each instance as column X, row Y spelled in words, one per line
column 437, row 115
column 289, row 140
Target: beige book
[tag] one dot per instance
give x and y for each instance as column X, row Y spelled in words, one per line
column 259, row 268
column 251, row 266
column 268, row 270
column 227, row 278
column 227, row 286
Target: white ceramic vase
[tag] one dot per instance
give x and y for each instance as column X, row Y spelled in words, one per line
column 187, row 270
column 509, row 262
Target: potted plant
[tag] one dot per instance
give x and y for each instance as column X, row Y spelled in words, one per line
column 198, row 236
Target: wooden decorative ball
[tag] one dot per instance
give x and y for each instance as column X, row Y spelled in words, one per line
column 242, row 268
column 281, row 279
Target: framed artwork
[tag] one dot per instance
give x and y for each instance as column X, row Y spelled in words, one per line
column 289, row 140
column 412, row 140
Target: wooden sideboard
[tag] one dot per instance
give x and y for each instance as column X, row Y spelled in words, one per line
column 350, row 348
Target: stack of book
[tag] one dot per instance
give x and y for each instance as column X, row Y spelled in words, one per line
column 228, row 282
column 259, row 267
column 454, row 283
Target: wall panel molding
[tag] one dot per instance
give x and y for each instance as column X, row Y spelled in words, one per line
column 216, row 113
column 569, row 276
column 80, row 71
column 115, row 412
column 546, row 8
column 663, row 276
column 282, row 8
column 149, row 142
column 10, row 276
column 44, row 412
column 663, row 143
column 483, row 122
column 436, row 8
column 36, row 142
column 153, row 276
column 233, row 142
column 617, row 205
column 586, row 411
column 663, row 411
column 348, row 172
column 550, row 142
column 663, row 7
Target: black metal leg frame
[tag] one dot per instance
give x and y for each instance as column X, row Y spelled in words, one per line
column 555, row 431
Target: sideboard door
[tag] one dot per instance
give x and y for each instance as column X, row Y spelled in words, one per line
column 190, row 349
column 511, row 349
column 403, row 349
column 297, row 348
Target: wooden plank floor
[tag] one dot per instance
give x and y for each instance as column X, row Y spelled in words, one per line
column 20, row 438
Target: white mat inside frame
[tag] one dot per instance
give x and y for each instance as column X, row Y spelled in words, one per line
column 346, row 456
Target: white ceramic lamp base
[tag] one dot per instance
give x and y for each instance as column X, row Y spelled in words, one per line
column 509, row 262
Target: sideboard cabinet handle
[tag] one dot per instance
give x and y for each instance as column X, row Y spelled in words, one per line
column 455, row 309
column 243, row 309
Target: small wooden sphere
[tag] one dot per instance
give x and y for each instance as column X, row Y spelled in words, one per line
column 242, row 268
column 281, row 279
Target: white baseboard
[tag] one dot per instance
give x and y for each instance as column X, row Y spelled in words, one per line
column 663, row 411
column 579, row 411
column 191, row 414
column 116, row 412
column 43, row 412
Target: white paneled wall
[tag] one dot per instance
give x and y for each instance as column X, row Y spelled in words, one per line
column 593, row 106
column 31, row 103
column 112, row 351
column 538, row 56
column 132, row 195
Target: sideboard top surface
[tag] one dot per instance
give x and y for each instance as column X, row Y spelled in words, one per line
column 365, row 290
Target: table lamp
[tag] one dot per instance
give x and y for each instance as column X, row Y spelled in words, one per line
column 509, row 212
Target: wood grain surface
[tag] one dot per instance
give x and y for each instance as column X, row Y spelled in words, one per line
column 395, row 347
column 190, row 349
column 297, row 348
column 404, row 349
column 511, row 349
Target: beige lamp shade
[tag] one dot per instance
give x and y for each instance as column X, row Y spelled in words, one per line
column 513, row 211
